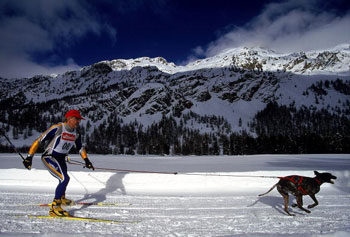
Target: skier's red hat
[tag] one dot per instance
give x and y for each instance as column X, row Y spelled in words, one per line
column 73, row 113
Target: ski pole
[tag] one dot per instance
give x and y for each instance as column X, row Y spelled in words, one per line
column 13, row 146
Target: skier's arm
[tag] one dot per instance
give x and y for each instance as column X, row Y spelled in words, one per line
column 83, row 153
column 80, row 147
column 47, row 135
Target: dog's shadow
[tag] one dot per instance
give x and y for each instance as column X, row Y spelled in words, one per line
column 114, row 183
column 275, row 202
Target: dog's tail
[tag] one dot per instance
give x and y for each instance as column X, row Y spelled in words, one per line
column 274, row 186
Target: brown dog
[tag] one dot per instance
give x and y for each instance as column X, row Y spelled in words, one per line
column 299, row 186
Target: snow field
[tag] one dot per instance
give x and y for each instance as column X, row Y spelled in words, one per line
column 178, row 205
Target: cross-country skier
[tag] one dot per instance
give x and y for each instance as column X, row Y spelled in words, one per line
column 58, row 140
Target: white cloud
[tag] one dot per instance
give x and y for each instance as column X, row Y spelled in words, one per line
column 35, row 27
column 288, row 26
column 20, row 66
column 198, row 52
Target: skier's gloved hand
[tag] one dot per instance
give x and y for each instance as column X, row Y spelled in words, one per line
column 88, row 164
column 28, row 162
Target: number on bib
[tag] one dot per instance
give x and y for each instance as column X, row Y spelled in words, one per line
column 66, row 146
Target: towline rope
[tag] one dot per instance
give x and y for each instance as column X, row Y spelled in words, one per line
column 75, row 162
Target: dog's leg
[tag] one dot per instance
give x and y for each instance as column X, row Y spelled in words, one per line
column 286, row 203
column 315, row 200
column 285, row 198
column 300, row 203
column 297, row 204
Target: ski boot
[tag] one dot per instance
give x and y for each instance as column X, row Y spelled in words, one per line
column 67, row 202
column 56, row 209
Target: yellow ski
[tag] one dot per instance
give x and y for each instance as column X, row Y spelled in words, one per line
column 80, row 204
column 79, row 219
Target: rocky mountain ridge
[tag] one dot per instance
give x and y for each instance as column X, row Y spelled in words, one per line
column 335, row 60
column 233, row 87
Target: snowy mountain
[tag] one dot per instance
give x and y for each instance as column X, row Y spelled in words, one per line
column 331, row 61
column 229, row 89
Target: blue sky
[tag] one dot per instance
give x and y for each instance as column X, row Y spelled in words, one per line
column 50, row 36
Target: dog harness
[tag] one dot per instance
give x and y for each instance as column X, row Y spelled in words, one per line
column 298, row 183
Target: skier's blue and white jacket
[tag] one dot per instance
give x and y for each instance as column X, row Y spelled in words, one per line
column 60, row 138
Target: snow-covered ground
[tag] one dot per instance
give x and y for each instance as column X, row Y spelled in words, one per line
column 211, row 196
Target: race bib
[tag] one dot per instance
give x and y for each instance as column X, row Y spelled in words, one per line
column 66, row 142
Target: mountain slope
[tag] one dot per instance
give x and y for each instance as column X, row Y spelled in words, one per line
column 232, row 87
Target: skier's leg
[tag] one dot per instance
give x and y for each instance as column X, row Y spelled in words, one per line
column 58, row 168
column 62, row 186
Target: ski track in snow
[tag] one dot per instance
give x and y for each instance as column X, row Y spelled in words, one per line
column 160, row 212
column 180, row 216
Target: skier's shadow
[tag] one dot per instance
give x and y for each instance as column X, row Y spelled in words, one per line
column 114, row 183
